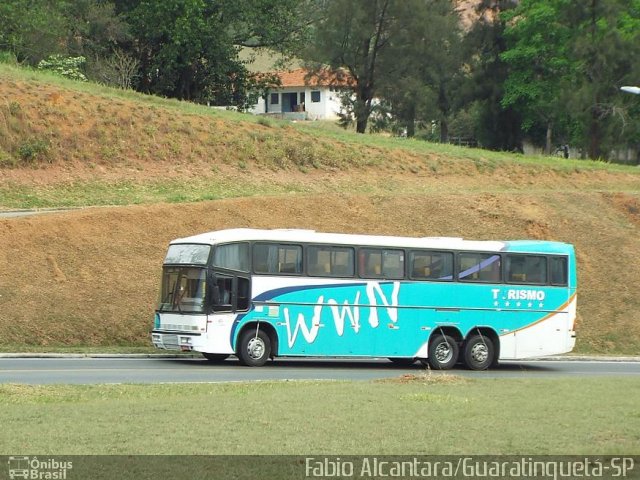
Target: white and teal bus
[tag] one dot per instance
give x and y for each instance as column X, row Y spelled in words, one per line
column 259, row 294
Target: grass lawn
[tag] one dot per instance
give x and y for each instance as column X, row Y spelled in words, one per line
column 417, row 415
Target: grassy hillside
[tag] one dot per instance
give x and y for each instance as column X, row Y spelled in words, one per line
column 168, row 169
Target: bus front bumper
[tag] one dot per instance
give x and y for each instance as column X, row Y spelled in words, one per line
column 175, row 341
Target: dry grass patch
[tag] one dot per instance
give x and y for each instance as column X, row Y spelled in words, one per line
column 427, row 377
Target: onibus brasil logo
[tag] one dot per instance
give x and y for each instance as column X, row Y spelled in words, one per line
column 36, row 469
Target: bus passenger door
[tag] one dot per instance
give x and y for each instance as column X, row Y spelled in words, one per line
column 229, row 294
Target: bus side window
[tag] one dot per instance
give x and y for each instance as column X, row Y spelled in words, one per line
column 326, row 261
column 558, row 269
column 526, row 269
column 431, row 265
column 242, row 302
column 479, row 267
column 381, row 263
column 222, row 290
column 370, row 263
column 233, row 256
column 274, row 258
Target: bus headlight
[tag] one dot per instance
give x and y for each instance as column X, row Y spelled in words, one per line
column 185, row 344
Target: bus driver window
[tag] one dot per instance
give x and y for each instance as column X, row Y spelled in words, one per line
column 222, row 294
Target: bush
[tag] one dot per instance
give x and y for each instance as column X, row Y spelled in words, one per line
column 265, row 122
column 8, row 58
column 68, row 67
column 33, row 150
column 6, row 160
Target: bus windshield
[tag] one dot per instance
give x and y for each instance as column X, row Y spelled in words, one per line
column 187, row 254
column 183, row 290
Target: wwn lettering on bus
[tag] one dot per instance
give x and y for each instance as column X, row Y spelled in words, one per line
column 347, row 310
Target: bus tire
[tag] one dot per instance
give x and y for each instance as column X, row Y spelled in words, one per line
column 443, row 352
column 479, row 352
column 254, row 350
column 215, row 357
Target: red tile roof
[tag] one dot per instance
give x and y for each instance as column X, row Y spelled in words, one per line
column 303, row 77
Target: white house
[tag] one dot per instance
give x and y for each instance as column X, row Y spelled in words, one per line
column 302, row 95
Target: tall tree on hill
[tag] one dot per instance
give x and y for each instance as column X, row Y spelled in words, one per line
column 188, row 49
column 37, row 29
column 567, row 60
column 423, row 64
column 97, row 33
column 354, row 34
column 33, row 30
column 607, row 49
column 498, row 127
column 540, row 65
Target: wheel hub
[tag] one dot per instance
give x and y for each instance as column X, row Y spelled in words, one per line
column 480, row 353
column 255, row 348
column 443, row 352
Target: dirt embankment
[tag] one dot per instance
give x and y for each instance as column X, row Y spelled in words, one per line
column 91, row 277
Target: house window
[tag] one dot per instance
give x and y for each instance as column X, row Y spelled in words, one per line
column 315, row 96
column 275, row 99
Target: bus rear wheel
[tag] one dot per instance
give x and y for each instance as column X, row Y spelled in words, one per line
column 254, row 348
column 215, row 357
column 478, row 353
column 443, row 352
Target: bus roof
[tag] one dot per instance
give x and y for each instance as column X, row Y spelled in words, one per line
column 311, row 236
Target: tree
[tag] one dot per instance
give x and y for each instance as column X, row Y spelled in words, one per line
column 33, row 30
column 353, row 34
column 567, row 59
column 95, row 28
column 539, row 63
column 99, row 34
column 423, row 63
column 498, row 127
column 606, row 46
column 188, row 49
column 120, row 69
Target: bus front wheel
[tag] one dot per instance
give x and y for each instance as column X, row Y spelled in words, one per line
column 478, row 352
column 443, row 352
column 254, row 348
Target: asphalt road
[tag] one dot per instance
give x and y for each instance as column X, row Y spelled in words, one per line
column 188, row 370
